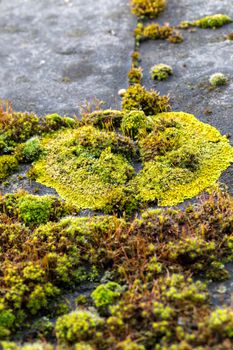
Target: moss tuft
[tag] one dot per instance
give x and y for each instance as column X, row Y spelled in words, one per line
column 181, row 159
column 135, row 75
column 150, row 102
column 147, row 8
column 212, row 22
column 161, row 72
column 218, row 79
column 8, row 164
column 89, row 168
column 106, row 294
column 77, row 326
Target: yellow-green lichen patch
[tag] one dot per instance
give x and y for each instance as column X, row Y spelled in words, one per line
column 181, row 159
column 88, row 167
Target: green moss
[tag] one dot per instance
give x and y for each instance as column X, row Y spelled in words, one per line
column 29, row 151
column 133, row 122
column 27, row 346
column 8, row 164
column 218, row 79
column 130, row 345
column 156, row 32
column 214, row 21
column 186, row 167
column 161, row 72
column 89, row 168
column 34, row 209
column 221, row 322
column 106, row 294
column 147, row 8
column 77, row 326
column 17, row 127
column 150, row 102
column 7, row 320
column 105, row 119
column 83, row 346
column 135, row 75
column 53, row 122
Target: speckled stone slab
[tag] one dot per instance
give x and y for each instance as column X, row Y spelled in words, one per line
column 55, row 54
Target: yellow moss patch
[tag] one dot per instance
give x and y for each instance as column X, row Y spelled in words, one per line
column 88, row 167
column 93, row 168
column 192, row 164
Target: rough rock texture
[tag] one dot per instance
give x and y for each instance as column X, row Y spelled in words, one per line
column 55, row 54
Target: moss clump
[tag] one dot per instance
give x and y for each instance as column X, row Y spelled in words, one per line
column 89, row 168
column 212, row 22
column 135, row 75
column 133, row 122
column 161, row 72
column 147, row 8
column 150, row 102
column 33, row 210
column 130, row 345
column 92, row 168
column 53, row 122
column 17, row 127
column 221, row 322
column 104, row 119
column 77, row 326
column 29, row 151
column 156, row 32
column 218, row 79
column 8, row 164
column 106, row 294
column 182, row 158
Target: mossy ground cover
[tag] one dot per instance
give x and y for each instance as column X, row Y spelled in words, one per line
column 143, row 265
column 93, row 169
column 147, row 289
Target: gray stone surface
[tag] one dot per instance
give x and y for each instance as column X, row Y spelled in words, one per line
column 55, row 54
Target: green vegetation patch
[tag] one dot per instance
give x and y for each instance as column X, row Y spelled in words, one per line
column 161, row 72
column 88, row 167
column 182, row 157
column 148, row 8
column 211, row 22
column 93, row 168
